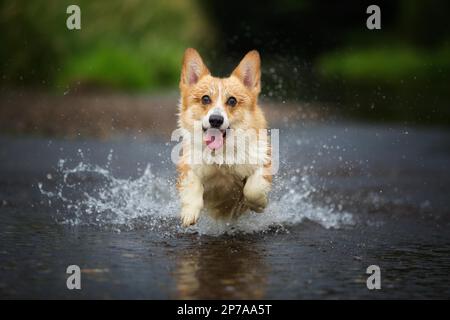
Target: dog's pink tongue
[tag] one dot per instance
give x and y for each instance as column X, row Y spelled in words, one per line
column 213, row 139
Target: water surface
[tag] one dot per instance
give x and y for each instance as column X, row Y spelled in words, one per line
column 347, row 196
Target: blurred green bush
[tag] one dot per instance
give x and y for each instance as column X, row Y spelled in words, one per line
column 131, row 44
column 311, row 50
column 118, row 67
column 385, row 63
column 390, row 83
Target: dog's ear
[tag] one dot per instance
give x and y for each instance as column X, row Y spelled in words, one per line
column 193, row 68
column 249, row 71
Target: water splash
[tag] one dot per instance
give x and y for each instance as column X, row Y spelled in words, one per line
column 289, row 205
column 90, row 195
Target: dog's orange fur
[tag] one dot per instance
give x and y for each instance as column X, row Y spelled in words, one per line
column 225, row 190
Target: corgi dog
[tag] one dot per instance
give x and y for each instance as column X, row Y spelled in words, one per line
column 222, row 110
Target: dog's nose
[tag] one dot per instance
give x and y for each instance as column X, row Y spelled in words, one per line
column 215, row 120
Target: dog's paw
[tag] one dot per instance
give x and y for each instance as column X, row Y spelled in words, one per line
column 256, row 203
column 189, row 218
column 255, row 193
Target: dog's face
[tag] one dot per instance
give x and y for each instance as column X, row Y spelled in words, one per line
column 220, row 103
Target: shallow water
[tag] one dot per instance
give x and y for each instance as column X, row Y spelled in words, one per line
column 347, row 196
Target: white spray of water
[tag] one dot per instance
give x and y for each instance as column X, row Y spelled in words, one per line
column 88, row 194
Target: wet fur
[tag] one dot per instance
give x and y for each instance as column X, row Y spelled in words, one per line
column 225, row 190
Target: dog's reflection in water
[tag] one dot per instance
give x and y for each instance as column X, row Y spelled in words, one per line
column 221, row 269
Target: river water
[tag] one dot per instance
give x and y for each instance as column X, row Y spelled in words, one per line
column 347, row 196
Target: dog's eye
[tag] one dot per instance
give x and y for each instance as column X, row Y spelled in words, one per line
column 206, row 100
column 231, row 101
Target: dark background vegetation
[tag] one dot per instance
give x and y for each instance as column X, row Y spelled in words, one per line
column 312, row 51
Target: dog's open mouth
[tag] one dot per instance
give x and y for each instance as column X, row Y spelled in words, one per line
column 214, row 138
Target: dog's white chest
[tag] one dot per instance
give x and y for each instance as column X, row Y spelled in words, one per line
column 223, row 188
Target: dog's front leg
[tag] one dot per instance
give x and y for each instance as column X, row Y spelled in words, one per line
column 256, row 189
column 191, row 193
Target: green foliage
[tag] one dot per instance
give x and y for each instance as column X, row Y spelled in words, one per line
column 122, row 67
column 396, row 83
column 384, row 64
column 124, row 44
